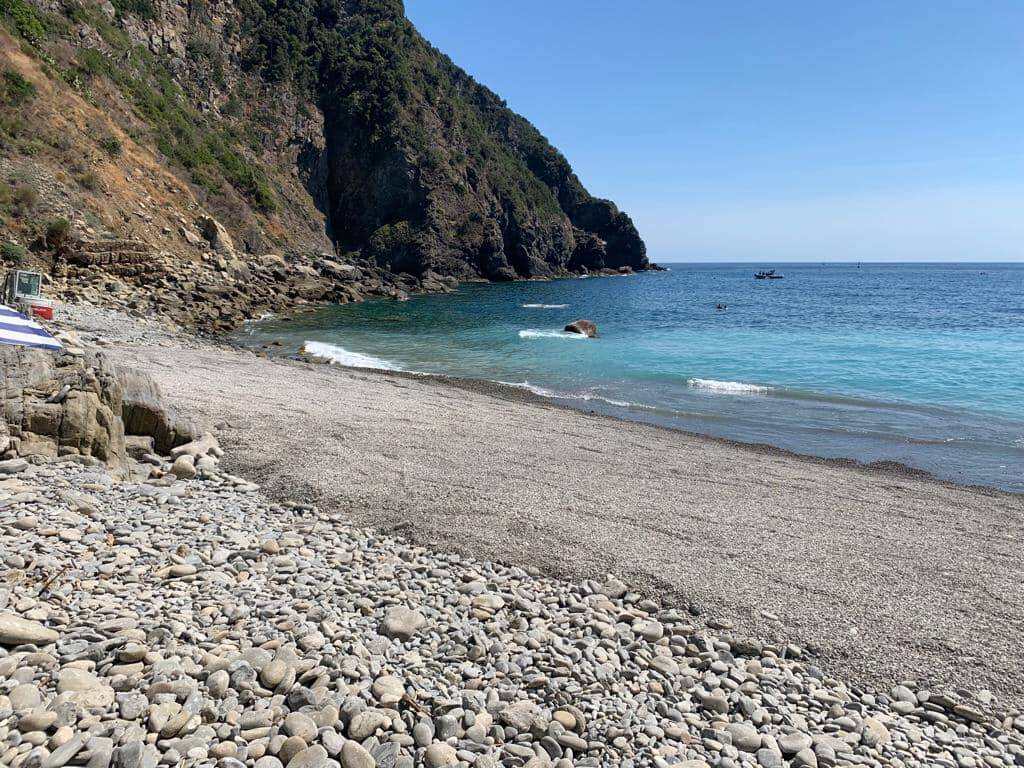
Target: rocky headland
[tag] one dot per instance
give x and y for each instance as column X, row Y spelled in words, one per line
column 216, row 162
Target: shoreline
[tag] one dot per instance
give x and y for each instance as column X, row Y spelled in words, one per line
column 776, row 545
column 947, row 441
column 514, row 393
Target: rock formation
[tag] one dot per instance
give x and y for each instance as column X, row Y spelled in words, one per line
column 585, row 327
column 77, row 404
column 56, row 404
column 214, row 162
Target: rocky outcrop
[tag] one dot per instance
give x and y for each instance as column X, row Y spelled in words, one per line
column 77, row 404
column 125, row 258
column 583, row 327
column 60, row 404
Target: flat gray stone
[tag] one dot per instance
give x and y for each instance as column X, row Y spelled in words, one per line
column 15, row 630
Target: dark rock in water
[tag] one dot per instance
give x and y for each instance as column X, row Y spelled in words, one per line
column 584, row 327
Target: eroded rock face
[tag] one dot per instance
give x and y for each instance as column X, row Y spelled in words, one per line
column 78, row 404
column 56, row 404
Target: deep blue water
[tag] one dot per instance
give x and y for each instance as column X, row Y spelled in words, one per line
column 919, row 364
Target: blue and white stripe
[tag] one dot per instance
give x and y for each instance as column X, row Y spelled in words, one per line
column 15, row 328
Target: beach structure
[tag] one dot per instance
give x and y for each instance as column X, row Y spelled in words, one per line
column 22, row 289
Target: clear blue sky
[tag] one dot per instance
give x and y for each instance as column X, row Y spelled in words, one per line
column 772, row 129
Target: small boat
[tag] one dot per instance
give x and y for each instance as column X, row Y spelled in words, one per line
column 768, row 274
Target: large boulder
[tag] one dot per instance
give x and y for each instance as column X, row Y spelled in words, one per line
column 144, row 413
column 218, row 238
column 584, row 327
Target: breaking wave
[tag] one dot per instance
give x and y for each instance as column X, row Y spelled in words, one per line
column 544, row 306
column 531, row 333
column 342, row 356
column 585, row 396
column 731, row 387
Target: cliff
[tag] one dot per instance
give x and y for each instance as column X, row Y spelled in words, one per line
column 212, row 160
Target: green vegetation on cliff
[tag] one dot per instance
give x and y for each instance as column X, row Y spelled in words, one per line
column 481, row 188
column 212, row 154
column 411, row 163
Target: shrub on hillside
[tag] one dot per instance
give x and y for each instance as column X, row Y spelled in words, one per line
column 16, row 89
column 111, row 145
column 142, row 8
column 17, row 200
column 57, row 233
column 12, row 253
column 88, row 179
column 20, row 16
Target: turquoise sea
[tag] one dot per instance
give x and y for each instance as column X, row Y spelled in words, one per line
column 921, row 364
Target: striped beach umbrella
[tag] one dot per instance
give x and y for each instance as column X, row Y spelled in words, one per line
column 17, row 329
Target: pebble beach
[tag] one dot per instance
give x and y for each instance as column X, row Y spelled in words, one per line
column 186, row 616
column 193, row 622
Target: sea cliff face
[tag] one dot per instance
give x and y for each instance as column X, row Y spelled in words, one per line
column 428, row 170
column 330, row 131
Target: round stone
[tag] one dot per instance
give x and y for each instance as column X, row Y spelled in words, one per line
column 566, row 719
column 791, row 743
column 438, row 755
column 300, row 725
column 388, row 689
column 744, row 737
column 354, row 755
column 401, row 623
column 273, row 673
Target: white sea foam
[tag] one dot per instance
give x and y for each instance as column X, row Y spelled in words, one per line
column 585, row 396
column 342, row 356
column 731, row 387
column 544, row 306
column 532, row 333
column 530, row 388
column 260, row 319
column 250, row 323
